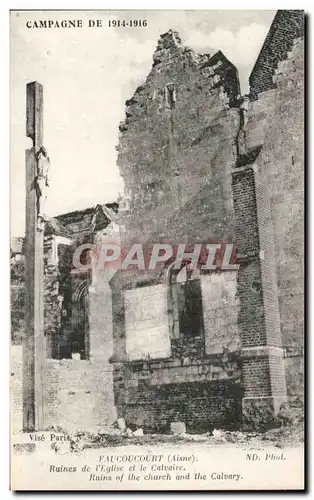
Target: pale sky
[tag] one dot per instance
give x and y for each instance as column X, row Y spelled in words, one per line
column 87, row 75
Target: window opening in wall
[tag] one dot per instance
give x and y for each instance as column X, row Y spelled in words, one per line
column 171, row 95
column 74, row 335
column 188, row 308
column 80, row 325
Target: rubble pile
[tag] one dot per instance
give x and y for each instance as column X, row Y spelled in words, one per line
column 289, row 432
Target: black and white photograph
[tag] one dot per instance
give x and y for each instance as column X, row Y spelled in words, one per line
column 157, row 250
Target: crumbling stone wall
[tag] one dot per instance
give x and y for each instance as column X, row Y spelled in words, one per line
column 283, row 159
column 277, row 122
column 79, row 392
column 185, row 133
column 175, row 161
column 176, row 150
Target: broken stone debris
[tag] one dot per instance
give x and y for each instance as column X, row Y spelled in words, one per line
column 138, row 433
column 121, row 424
column 177, row 428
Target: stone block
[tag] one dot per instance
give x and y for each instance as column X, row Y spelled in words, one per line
column 177, row 427
column 121, row 424
column 138, row 433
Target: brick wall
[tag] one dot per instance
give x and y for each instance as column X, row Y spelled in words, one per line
column 202, row 393
column 256, row 377
column 259, row 325
column 286, row 27
column 251, row 314
column 267, row 258
column 276, row 122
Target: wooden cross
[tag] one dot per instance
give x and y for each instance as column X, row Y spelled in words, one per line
column 34, row 348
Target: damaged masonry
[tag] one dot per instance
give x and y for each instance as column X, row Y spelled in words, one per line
column 175, row 347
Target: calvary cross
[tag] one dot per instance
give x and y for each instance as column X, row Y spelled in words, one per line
column 34, row 348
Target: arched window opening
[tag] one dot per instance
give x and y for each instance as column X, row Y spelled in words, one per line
column 80, row 322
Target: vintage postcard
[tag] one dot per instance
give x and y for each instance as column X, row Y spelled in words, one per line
column 157, row 172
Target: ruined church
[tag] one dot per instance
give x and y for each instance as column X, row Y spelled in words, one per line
column 200, row 163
